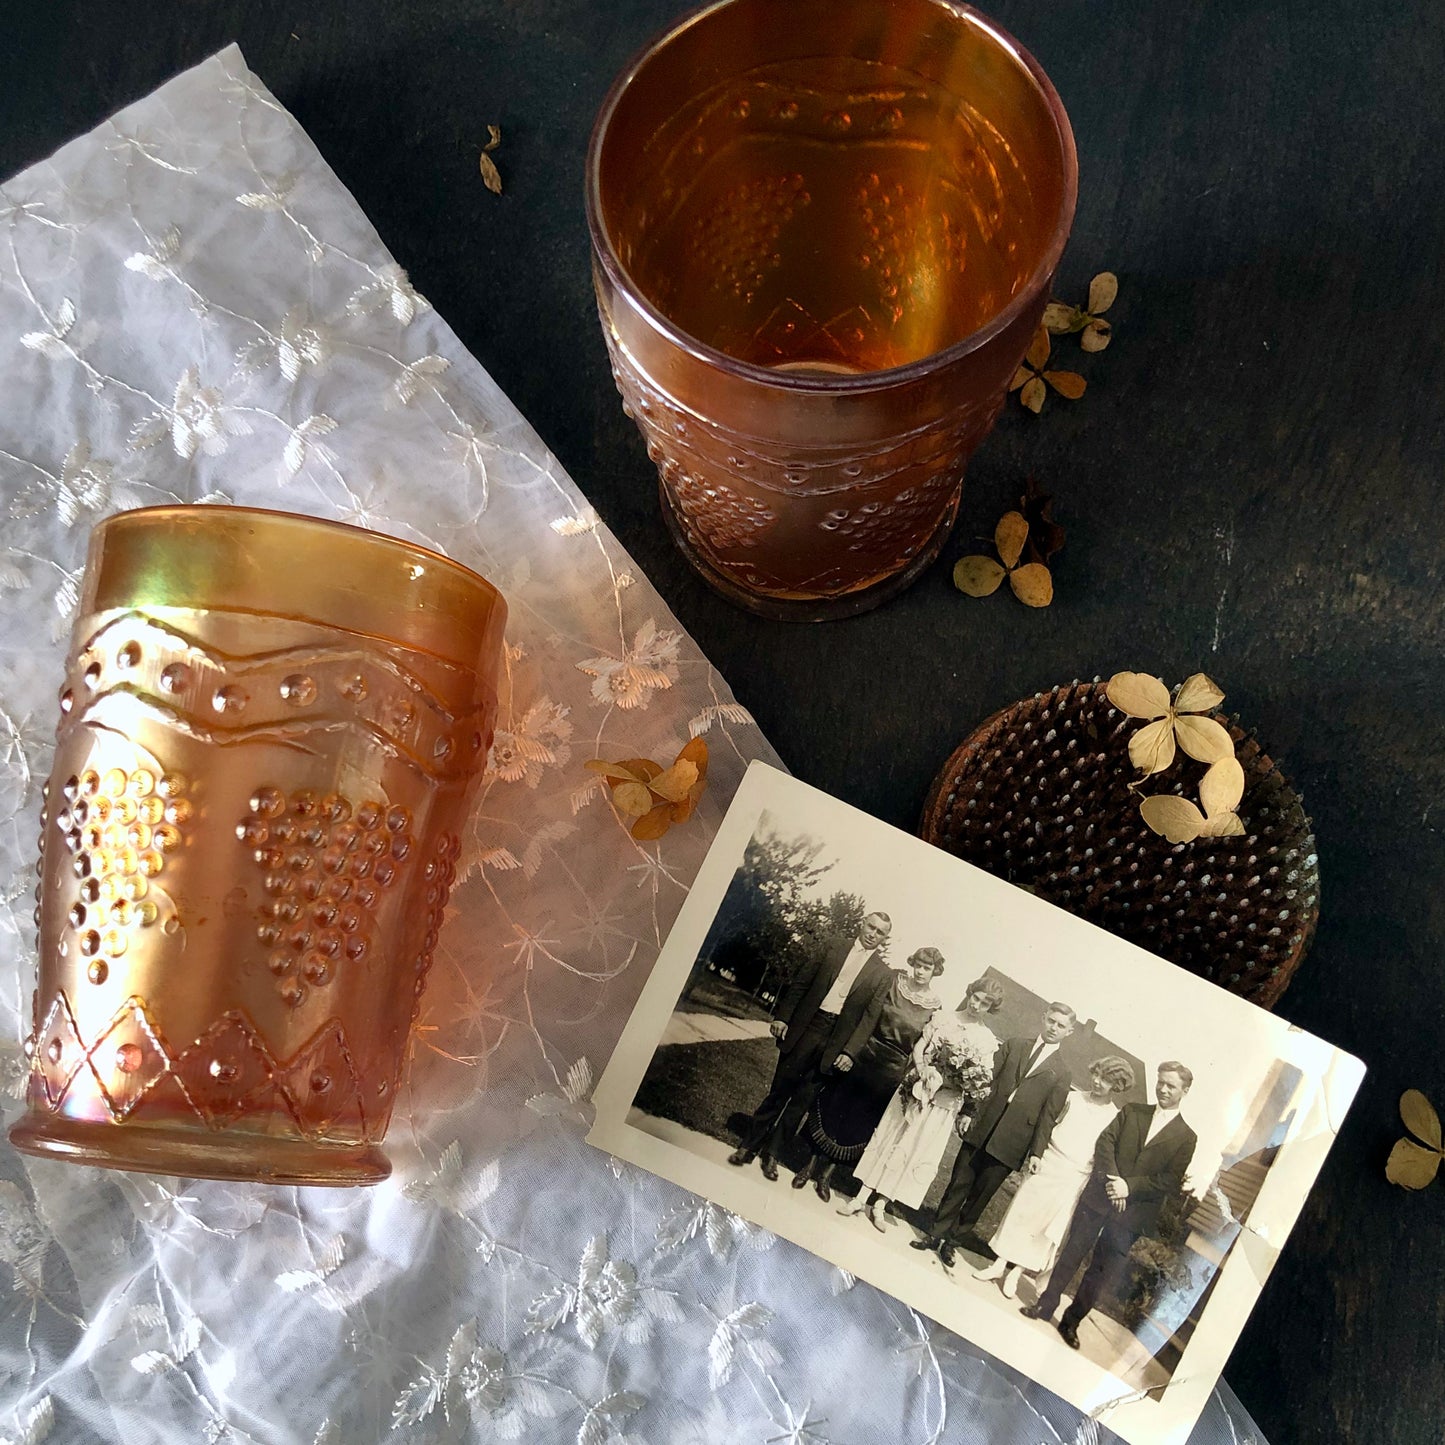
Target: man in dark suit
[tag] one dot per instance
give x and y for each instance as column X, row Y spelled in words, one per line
column 816, row 1014
column 1141, row 1161
column 1011, row 1130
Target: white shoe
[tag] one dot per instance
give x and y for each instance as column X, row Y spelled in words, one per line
column 874, row 1210
column 1010, row 1285
column 855, row 1205
column 992, row 1271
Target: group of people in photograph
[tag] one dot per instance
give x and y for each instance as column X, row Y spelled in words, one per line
column 876, row 1076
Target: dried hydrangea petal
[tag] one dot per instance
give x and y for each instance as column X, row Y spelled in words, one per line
column 1067, row 383
column 1032, row 584
column 613, row 772
column 696, row 753
column 1103, row 290
column 1223, row 825
column 1138, row 694
column 1410, row 1166
column 1038, row 353
column 1061, row 319
column 675, row 784
column 1198, row 694
column 1203, row 738
column 1151, row 749
column 634, row 799
column 653, row 824
column 1033, row 394
column 1221, row 788
column 977, row 576
column 645, row 768
column 1009, row 537
column 1174, row 818
column 1420, row 1117
column 1097, row 335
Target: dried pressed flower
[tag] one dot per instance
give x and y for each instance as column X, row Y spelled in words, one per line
column 1151, row 749
column 1096, row 334
column 1413, row 1165
column 653, row 796
column 979, row 576
column 1220, row 790
column 1032, row 381
column 491, row 176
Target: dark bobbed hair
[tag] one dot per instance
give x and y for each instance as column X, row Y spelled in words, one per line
column 930, row 956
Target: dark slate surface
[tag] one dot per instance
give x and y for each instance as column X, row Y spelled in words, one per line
column 1252, row 484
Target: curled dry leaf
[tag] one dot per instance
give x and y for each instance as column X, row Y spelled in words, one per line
column 1032, row 584
column 1151, row 749
column 491, row 176
column 1046, row 536
column 977, row 576
column 654, row 796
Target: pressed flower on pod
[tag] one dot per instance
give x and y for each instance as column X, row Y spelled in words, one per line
column 1151, row 749
column 1088, row 321
column 1032, row 380
column 1180, row 821
column 653, row 796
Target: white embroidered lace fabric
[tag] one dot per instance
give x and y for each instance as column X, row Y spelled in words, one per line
column 193, row 309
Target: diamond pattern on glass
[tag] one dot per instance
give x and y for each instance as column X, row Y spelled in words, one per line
column 127, row 1059
column 322, row 1087
column 225, row 1070
column 59, row 1052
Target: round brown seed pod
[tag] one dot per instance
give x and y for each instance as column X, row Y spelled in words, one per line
column 1040, row 795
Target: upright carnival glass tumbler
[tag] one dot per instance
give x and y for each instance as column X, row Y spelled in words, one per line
column 823, row 234
column 270, row 728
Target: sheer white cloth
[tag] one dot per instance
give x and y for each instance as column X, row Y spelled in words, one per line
column 193, row 308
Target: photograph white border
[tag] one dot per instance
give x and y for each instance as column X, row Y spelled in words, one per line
column 1021, row 935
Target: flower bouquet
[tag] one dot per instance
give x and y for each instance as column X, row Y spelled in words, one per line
column 951, row 1062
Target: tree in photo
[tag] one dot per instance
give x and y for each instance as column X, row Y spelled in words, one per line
column 769, row 918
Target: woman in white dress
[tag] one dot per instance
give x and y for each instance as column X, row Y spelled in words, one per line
column 1029, row 1236
column 903, row 1156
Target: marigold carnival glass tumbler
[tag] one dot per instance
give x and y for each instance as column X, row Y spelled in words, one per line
column 270, row 728
column 823, row 233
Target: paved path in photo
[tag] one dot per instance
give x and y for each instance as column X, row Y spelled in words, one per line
column 711, row 1028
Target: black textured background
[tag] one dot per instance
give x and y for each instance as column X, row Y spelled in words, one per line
column 1252, row 484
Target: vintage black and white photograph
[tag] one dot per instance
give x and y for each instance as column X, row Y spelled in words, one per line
column 1072, row 1153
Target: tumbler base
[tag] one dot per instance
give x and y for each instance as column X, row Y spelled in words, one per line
column 259, row 1159
column 783, row 608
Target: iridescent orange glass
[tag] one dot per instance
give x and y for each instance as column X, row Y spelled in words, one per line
column 270, row 727
column 823, row 233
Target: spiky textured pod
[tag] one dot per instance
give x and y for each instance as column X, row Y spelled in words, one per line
column 1039, row 794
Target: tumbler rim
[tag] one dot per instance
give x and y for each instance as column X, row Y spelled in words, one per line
column 255, row 559
column 834, row 383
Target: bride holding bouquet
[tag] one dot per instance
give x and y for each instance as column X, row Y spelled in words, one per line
column 951, row 1070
